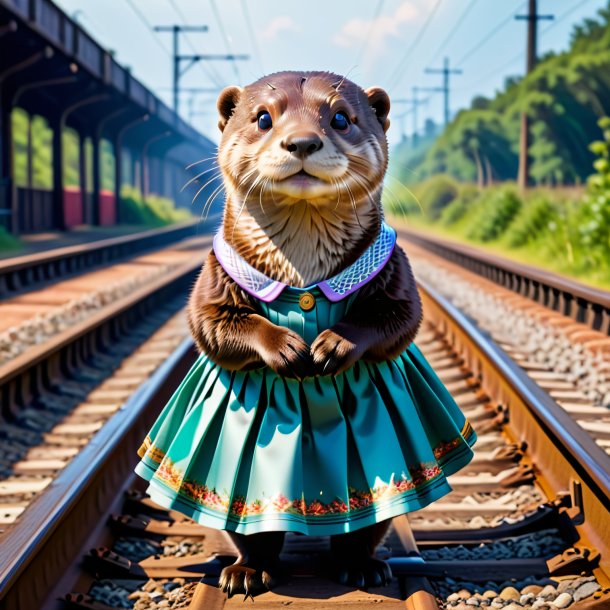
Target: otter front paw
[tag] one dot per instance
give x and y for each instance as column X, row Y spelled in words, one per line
column 333, row 353
column 287, row 354
column 248, row 581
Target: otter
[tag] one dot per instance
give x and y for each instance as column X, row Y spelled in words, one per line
column 309, row 409
column 303, row 157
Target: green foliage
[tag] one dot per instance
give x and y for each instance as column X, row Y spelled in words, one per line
column 8, row 241
column 458, row 208
column 563, row 96
column 42, row 155
column 535, row 218
column 436, row 193
column 70, row 157
column 593, row 215
column 397, row 198
column 153, row 212
column 107, row 171
column 42, row 148
column 19, row 124
column 567, row 231
column 495, row 210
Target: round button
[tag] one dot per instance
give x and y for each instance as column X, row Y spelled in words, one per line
column 307, row 301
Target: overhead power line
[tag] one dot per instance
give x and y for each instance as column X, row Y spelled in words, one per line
column 454, row 29
column 415, row 101
column 399, row 69
column 142, row 17
column 506, row 64
column 226, row 39
column 563, row 15
column 369, row 34
column 252, row 33
column 206, row 69
column 446, row 71
column 489, row 35
column 182, row 63
column 532, row 18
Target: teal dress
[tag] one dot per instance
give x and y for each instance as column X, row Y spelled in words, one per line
column 251, row 451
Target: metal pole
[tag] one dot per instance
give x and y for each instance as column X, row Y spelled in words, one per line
column 145, row 162
column 446, row 71
column 532, row 19
column 97, row 159
column 176, row 84
column 118, row 158
column 415, row 104
column 446, row 88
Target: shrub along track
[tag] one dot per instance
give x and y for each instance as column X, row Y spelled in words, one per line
column 526, row 524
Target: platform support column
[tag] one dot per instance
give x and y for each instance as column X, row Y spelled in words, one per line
column 95, row 179
column 59, row 221
column 8, row 216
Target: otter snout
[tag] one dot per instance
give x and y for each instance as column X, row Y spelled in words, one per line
column 301, row 144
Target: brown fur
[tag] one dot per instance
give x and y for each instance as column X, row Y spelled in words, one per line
column 298, row 239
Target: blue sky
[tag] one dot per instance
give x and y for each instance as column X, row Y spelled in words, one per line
column 387, row 43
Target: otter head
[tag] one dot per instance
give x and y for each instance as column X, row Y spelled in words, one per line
column 304, row 136
column 304, row 144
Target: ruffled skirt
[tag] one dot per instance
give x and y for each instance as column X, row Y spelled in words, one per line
column 252, row 451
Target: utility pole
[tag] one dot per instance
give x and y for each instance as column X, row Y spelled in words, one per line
column 532, row 18
column 446, row 71
column 414, row 101
column 178, row 59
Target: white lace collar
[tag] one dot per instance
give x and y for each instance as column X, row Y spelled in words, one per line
column 360, row 272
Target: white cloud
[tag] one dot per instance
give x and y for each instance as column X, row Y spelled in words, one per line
column 283, row 23
column 355, row 31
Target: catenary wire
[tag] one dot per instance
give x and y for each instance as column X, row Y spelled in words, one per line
column 252, row 33
column 398, row 72
column 226, row 39
column 453, row 30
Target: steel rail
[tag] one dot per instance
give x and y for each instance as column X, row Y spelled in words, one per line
column 29, row 374
column 54, row 528
column 22, row 273
column 585, row 304
column 560, row 449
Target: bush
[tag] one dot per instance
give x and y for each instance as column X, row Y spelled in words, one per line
column 458, row 208
column 494, row 212
column 154, row 212
column 593, row 215
column 8, row 241
column 533, row 219
column 436, row 193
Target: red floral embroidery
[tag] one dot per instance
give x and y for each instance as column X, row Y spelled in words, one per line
column 237, row 506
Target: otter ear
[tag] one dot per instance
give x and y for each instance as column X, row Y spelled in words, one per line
column 227, row 100
column 380, row 103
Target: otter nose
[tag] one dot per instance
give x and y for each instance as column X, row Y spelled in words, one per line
column 302, row 144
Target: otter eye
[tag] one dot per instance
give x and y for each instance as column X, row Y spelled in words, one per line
column 340, row 122
column 264, row 121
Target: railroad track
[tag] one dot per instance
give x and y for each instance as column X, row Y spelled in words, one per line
column 24, row 273
column 584, row 304
column 527, row 522
column 59, row 391
column 565, row 356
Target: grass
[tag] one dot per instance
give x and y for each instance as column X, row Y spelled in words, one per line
column 529, row 254
column 8, row 242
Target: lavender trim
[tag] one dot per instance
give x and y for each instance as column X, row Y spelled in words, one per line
column 264, row 288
